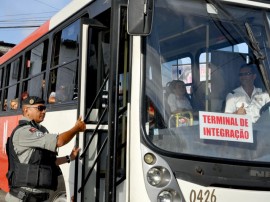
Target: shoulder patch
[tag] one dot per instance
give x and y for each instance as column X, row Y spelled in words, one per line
column 32, row 130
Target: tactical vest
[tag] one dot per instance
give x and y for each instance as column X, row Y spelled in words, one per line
column 41, row 170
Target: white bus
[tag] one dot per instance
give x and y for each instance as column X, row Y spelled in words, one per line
column 115, row 60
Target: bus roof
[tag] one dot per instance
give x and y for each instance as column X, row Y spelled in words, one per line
column 56, row 20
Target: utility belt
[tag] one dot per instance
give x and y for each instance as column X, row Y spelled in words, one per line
column 27, row 196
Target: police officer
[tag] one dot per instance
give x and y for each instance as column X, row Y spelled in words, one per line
column 33, row 166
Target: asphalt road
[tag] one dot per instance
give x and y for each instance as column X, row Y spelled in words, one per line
column 2, row 195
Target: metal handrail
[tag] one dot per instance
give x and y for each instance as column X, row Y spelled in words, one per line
column 94, row 133
column 92, row 168
column 97, row 96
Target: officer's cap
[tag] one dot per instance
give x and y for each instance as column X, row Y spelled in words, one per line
column 32, row 100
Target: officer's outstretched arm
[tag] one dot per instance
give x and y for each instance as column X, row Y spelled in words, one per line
column 65, row 137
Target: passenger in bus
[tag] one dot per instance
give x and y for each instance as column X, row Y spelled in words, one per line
column 180, row 109
column 60, row 95
column 14, row 104
column 178, row 99
column 24, row 95
column 5, row 107
column 32, row 154
column 247, row 99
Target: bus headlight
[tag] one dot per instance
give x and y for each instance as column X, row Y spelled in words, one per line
column 158, row 176
column 165, row 196
column 154, row 176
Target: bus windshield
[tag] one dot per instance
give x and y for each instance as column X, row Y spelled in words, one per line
column 205, row 90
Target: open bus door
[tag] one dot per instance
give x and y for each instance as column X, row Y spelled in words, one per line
column 92, row 73
column 100, row 170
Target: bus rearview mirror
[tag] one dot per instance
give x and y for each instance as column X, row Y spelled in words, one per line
column 140, row 15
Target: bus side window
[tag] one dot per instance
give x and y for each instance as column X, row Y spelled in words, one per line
column 34, row 74
column 13, row 73
column 63, row 80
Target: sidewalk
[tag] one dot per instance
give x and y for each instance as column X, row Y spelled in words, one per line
column 2, row 195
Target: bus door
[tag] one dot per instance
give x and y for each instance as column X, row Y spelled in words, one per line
column 93, row 80
column 100, row 170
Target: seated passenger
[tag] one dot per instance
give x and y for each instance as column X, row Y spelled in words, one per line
column 178, row 99
column 52, row 98
column 14, row 104
column 179, row 103
column 246, row 99
column 59, row 95
column 24, row 95
column 5, row 105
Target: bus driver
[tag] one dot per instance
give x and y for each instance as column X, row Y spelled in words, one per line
column 33, row 166
column 247, row 99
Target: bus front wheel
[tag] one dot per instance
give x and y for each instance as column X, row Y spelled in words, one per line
column 60, row 194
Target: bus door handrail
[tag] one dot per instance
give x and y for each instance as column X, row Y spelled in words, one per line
column 101, row 149
column 93, row 134
column 93, row 166
column 97, row 96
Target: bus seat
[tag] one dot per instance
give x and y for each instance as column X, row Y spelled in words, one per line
column 222, row 84
column 200, row 95
column 224, row 77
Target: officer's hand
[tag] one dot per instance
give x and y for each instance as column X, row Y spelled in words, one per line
column 74, row 153
column 241, row 110
column 80, row 125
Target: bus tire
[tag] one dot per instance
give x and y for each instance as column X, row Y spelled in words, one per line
column 60, row 194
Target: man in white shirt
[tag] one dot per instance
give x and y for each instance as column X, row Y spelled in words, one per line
column 247, row 99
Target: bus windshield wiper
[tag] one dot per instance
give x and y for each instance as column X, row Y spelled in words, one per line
column 259, row 56
column 253, row 44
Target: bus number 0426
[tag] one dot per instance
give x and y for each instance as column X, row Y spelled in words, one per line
column 202, row 196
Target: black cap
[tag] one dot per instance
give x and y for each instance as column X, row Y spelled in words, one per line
column 32, row 100
column 250, row 65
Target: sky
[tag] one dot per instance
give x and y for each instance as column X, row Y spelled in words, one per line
column 15, row 13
